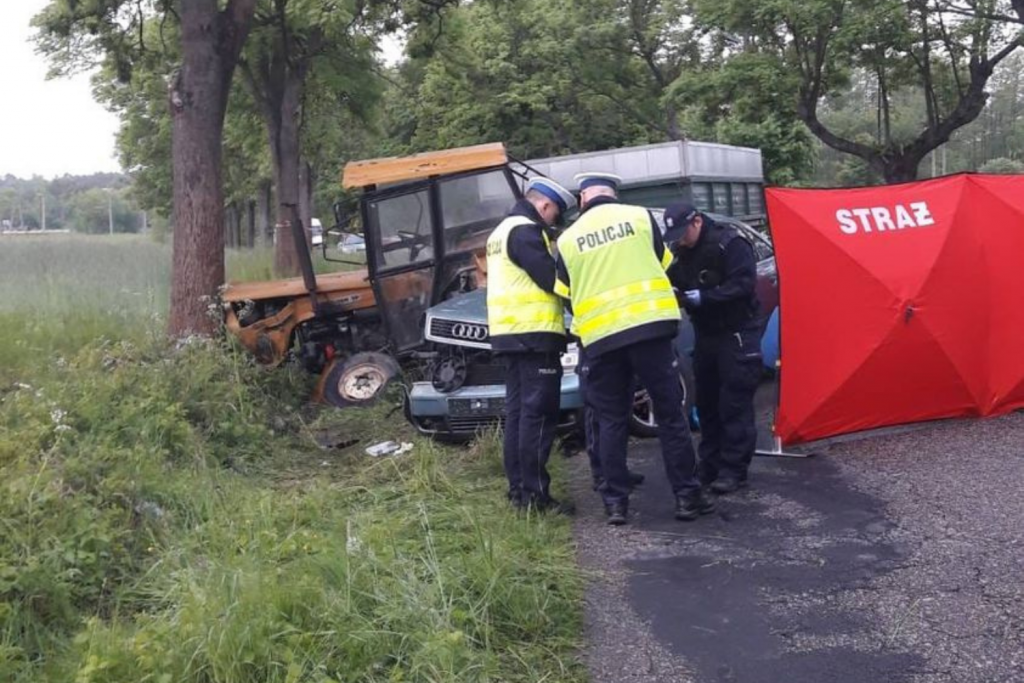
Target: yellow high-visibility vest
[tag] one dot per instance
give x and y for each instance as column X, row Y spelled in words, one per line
column 616, row 281
column 515, row 304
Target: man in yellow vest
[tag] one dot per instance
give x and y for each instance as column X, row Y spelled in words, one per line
column 611, row 266
column 527, row 328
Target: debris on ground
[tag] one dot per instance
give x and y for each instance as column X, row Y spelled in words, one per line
column 388, row 448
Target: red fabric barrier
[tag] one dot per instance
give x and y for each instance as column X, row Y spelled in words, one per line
column 899, row 304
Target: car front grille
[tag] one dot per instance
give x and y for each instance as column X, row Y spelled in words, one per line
column 484, row 374
column 460, row 332
column 470, row 425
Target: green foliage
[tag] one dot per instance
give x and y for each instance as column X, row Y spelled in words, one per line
column 747, row 99
column 926, row 55
column 167, row 517
column 72, row 202
column 786, row 146
column 1002, row 165
column 507, row 72
column 93, row 211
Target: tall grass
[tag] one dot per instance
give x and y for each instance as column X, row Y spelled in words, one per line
column 59, row 292
column 165, row 514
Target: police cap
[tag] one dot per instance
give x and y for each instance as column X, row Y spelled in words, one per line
column 562, row 198
column 678, row 217
column 588, row 180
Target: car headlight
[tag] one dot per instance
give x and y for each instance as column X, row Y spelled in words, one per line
column 571, row 358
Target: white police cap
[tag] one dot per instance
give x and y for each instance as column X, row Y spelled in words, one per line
column 562, row 198
column 593, row 179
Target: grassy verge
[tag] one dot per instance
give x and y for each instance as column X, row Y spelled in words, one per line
column 167, row 515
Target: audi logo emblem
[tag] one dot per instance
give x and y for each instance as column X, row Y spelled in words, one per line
column 469, row 332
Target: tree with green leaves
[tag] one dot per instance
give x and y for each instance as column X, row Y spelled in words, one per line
column 211, row 34
column 291, row 40
column 950, row 52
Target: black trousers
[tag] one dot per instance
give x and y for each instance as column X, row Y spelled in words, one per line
column 591, row 430
column 533, row 384
column 727, row 368
column 610, row 391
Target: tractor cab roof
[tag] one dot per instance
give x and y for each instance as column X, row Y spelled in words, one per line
column 391, row 170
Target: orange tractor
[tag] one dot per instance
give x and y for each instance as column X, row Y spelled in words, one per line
column 425, row 221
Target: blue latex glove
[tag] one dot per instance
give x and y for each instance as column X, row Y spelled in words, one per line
column 692, row 297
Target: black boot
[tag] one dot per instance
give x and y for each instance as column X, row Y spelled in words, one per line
column 692, row 505
column 726, row 485
column 617, row 513
column 549, row 504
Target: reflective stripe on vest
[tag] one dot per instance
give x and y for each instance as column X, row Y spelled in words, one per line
column 515, row 304
column 616, row 280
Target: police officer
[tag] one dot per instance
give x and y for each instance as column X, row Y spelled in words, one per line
column 716, row 274
column 611, row 266
column 527, row 328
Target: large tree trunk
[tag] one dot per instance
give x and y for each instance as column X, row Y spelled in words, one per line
column 250, row 223
column 306, row 181
column 284, row 145
column 265, row 224
column 283, row 127
column 899, row 170
column 277, row 81
column 210, row 42
column 228, row 237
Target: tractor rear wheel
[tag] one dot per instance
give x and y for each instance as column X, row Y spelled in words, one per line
column 359, row 380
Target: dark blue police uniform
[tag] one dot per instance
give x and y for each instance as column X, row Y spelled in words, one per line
column 533, row 374
column 727, row 355
column 610, row 369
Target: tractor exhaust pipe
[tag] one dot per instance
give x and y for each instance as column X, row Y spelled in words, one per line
column 302, row 252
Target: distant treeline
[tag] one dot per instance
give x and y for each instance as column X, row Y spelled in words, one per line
column 96, row 203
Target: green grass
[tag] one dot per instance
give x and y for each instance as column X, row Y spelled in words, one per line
column 60, row 292
column 166, row 515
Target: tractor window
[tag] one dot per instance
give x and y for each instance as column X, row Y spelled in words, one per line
column 400, row 226
column 472, row 207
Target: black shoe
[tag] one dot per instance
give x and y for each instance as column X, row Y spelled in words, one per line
column 726, row 485
column 692, row 505
column 616, row 513
column 550, row 505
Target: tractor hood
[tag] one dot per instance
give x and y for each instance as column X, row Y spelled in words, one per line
column 293, row 287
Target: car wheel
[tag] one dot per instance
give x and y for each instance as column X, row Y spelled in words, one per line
column 641, row 420
column 359, row 380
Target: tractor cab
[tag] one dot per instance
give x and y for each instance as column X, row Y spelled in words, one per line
column 425, row 220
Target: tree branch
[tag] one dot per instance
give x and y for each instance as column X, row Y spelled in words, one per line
column 975, row 13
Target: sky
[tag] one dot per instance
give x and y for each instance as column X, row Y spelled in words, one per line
column 47, row 128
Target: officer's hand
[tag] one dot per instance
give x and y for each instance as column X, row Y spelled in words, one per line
column 692, row 297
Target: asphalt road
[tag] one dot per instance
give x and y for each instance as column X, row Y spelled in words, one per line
column 894, row 558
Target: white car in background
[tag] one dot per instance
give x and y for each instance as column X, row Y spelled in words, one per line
column 316, row 232
column 351, row 244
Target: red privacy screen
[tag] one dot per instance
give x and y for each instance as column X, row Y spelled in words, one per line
column 899, row 304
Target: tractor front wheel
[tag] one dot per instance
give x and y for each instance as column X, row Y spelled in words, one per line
column 358, row 380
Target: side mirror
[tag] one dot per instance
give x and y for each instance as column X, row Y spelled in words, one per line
column 345, row 214
column 346, row 223
column 341, row 216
